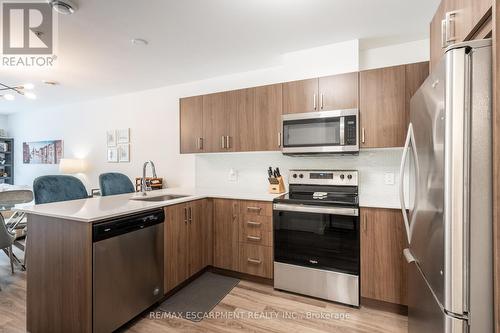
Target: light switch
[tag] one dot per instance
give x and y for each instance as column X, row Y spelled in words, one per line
column 389, row 178
column 233, row 175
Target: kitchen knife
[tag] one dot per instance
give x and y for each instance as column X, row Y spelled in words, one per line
column 278, row 172
column 270, row 172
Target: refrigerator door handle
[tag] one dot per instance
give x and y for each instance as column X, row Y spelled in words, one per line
column 410, row 140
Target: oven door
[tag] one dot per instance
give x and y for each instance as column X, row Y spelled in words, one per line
column 321, row 237
column 320, row 132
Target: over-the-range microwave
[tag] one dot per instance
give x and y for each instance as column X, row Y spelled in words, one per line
column 324, row 132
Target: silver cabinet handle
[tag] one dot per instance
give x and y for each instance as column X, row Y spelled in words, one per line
column 200, row 143
column 314, row 102
column 190, row 215
column 443, row 34
column 279, row 139
column 449, row 27
column 254, row 224
column 228, row 143
column 222, row 142
column 322, row 99
column 254, row 238
column 255, row 209
column 254, row 261
column 185, row 215
column 363, row 135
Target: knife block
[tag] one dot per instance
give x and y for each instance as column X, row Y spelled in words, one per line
column 277, row 188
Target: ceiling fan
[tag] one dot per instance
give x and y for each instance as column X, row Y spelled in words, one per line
column 9, row 92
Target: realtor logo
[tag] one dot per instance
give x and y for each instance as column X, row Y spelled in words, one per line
column 27, row 34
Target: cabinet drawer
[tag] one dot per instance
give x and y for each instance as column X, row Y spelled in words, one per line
column 256, row 208
column 256, row 222
column 256, row 236
column 256, row 260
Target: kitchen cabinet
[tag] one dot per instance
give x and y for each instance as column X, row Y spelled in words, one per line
column 226, row 217
column 415, row 75
column 191, row 125
column 383, row 267
column 321, row 94
column 338, row 92
column 382, row 107
column 456, row 21
column 259, row 123
column 220, row 121
column 188, row 241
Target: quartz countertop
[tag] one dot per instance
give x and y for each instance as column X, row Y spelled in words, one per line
column 101, row 208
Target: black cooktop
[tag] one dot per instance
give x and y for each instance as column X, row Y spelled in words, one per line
column 335, row 195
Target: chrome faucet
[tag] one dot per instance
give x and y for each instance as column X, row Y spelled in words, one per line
column 144, row 186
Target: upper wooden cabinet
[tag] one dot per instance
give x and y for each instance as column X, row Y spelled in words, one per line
column 385, row 95
column 220, row 117
column 259, row 127
column 383, row 267
column 382, row 107
column 321, row 94
column 300, row 96
column 191, row 124
column 338, row 92
column 456, row 21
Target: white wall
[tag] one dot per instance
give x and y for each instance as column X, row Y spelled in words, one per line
column 392, row 55
column 153, row 118
column 4, row 123
column 212, row 171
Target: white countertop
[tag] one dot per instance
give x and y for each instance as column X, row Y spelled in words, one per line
column 101, row 208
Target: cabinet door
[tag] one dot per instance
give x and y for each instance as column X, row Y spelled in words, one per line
column 436, row 45
column 226, row 234
column 300, row 96
column 195, row 233
column 191, row 125
column 383, row 267
column 414, row 77
column 240, row 105
column 259, row 128
column 214, row 122
column 176, row 250
column 382, row 107
column 338, row 92
column 207, row 239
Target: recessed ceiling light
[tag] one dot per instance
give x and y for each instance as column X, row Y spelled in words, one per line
column 9, row 97
column 139, row 41
column 65, row 7
column 28, row 86
column 29, row 95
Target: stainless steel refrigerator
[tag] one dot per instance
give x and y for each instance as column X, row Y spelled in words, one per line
column 446, row 172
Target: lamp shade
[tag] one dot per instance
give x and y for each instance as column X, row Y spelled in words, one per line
column 72, row 165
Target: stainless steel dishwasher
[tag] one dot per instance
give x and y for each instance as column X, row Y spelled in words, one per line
column 127, row 268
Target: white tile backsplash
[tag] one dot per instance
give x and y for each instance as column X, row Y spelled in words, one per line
column 212, row 171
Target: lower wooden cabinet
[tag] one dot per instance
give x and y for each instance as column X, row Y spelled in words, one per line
column 256, row 260
column 188, row 241
column 383, row 267
column 226, row 216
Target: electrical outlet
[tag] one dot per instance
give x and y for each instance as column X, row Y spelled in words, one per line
column 233, row 175
column 389, row 178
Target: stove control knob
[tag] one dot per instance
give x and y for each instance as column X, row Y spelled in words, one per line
column 349, row 177
column 301, row 176
column 294, row 175
column 342, row 176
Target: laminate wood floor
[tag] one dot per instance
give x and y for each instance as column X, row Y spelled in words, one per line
column 250, row 307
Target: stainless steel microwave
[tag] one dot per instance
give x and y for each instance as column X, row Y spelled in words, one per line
column 323, row 132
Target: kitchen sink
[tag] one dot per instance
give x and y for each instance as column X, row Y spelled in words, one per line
column 159, row 197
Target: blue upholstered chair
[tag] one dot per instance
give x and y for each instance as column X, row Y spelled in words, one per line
column 112, row 183
column 58, row 188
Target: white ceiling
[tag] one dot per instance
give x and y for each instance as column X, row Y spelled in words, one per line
column 196, row 39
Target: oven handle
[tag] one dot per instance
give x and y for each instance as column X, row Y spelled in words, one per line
column 316, row 209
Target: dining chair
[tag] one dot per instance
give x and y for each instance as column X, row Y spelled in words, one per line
column 112, row 183
column 57, row 188
column 6, row 242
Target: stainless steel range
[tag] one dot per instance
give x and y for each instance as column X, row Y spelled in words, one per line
column 316, row 235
